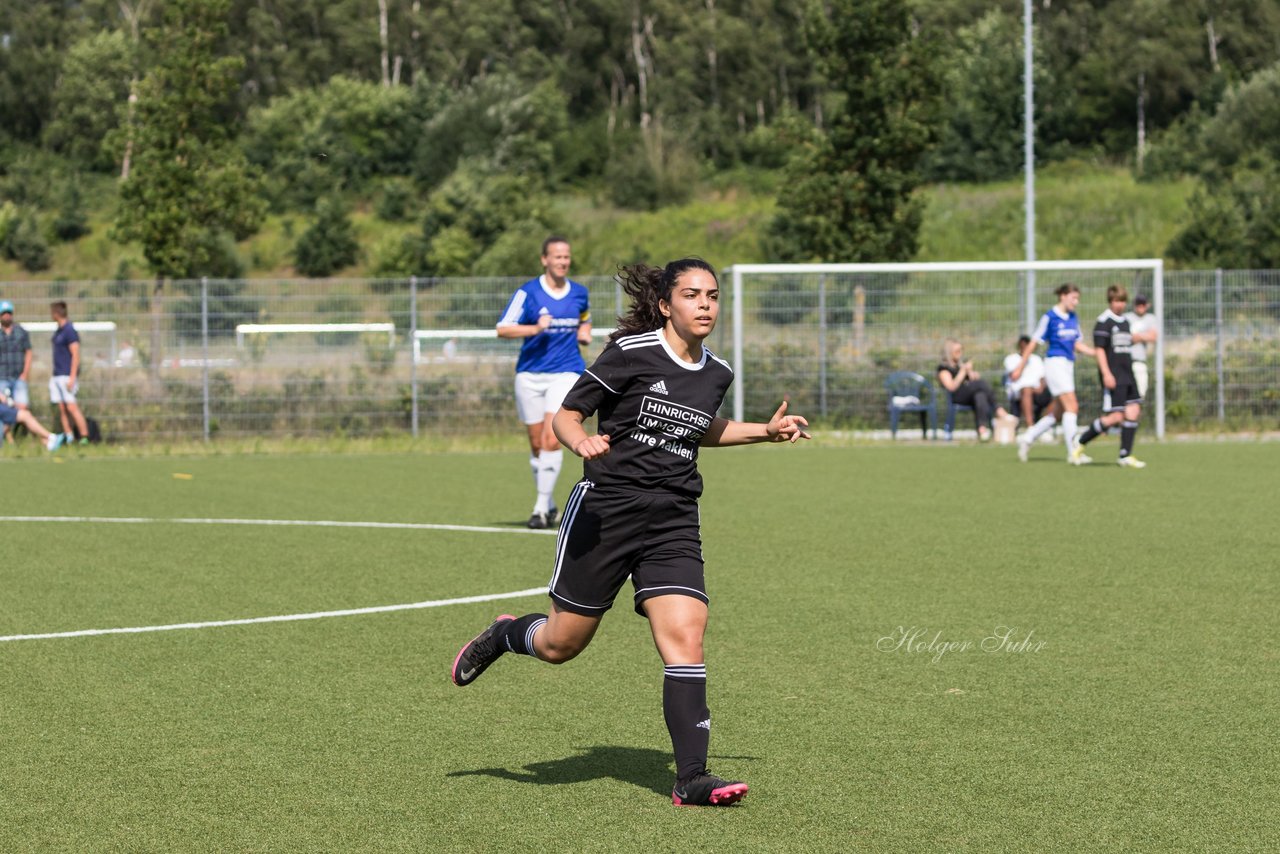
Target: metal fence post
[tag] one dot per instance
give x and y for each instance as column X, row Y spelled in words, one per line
column 204, row 348
column 822, row 344
column 1217, row 322
column 413, row 350
column 739, row 387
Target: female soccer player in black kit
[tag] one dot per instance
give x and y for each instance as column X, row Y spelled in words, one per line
column 655, row 390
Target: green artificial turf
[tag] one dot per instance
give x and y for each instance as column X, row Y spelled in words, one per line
column 1138, row 712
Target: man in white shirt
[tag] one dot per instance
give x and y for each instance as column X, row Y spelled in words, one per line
column 1028, row 391
column 1144, row 328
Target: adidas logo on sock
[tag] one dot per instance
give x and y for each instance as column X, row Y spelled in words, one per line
column 660, row 387
column 705, row 725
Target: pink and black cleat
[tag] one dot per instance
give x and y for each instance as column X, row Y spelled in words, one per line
column 483, row 650
column 706, row 790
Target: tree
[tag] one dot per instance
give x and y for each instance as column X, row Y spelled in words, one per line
column 329, row 244
column 93, row 84
column 981, row 136
column 850, row 191
column 190, row 186
column 1235, row 213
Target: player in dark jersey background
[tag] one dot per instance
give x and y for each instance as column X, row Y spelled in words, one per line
column 1121, row 400
column 655, row 391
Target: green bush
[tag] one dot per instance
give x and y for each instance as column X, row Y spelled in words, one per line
column 329, row 244
column 395, row 201
column 27, row 246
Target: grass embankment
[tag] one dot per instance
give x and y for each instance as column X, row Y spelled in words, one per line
column 1083, row 211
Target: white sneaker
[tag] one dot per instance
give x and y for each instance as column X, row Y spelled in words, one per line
column 1077, row 456
column 1131, row 463
column 1024, row 447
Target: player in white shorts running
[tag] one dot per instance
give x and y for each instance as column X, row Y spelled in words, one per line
column 1060, row 329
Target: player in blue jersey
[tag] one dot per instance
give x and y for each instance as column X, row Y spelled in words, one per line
column 655, row 392
column 552, row 316
column 1059, row 328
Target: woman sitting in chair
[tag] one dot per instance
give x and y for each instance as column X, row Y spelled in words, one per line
column 967, row 387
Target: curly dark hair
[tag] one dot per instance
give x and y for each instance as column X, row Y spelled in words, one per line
column 647, row 286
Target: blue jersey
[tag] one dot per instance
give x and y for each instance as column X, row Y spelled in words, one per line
column 63, row 338
column 1060, row 332
column 555, row 349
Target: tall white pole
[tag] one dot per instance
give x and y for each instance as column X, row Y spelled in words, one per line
column 1029, row 155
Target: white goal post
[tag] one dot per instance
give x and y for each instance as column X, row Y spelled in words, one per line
column 107, row 326
column 1031, row 305
column 244, row 329
column 484, row 333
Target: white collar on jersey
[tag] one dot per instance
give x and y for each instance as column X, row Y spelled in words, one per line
column 688, row 366
column 1111, row 314
column 550, row 291
column 1060, row 313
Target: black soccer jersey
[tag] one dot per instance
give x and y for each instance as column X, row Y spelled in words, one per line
column 1111, row 333
column 655, row 407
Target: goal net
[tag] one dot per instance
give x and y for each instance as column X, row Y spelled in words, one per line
column 826, row 336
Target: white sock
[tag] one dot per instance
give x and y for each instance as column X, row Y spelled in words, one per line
column 549, row 463
column 1069, row 429
column 1044, row 425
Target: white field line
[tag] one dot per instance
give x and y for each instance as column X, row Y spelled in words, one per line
column 281, row 618
column 305, row 523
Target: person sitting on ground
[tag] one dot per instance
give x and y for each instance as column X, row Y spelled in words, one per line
column 968, row 388
column 1028, row 388
column 11, row 415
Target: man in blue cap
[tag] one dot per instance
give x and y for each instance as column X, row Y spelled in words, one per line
column 15, row 358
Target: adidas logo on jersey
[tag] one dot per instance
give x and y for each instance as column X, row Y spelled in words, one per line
column 660, row 387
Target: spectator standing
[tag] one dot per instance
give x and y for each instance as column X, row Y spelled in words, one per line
column 552, row 315
column 1145, row 330
column 66, row 374
column 15, row 359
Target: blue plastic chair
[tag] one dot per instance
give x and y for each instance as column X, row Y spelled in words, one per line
column 952, row 408
column 904, row 387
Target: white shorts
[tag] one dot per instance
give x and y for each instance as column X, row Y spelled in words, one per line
column 1061, row 375
column 16, row 389
column 1139, row 374
column 538, row 395
column 60, row 390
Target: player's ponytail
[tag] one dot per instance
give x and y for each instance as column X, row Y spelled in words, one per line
column 647, row 286
column 1067, row 288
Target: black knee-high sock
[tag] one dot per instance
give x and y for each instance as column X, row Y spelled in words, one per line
column 684, row 705
column 1128, row 429
column 518, row 637
column 1095, row 430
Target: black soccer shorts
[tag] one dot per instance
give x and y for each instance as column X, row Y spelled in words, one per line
column 608, row 534
column 1125, row 393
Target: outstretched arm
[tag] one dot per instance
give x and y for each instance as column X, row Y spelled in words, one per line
column 780, row 428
